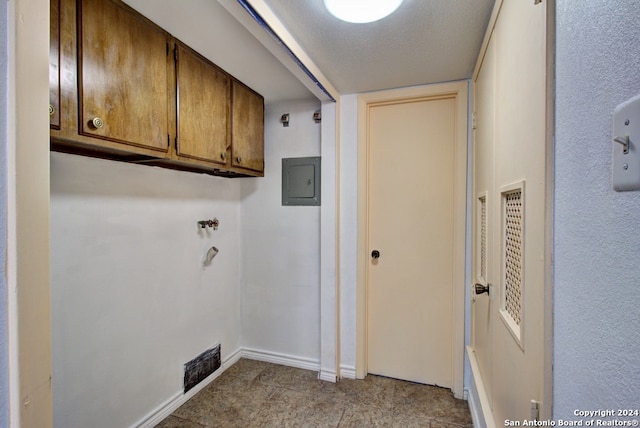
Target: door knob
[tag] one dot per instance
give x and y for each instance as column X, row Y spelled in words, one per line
column 375, row 254
column 481, row 289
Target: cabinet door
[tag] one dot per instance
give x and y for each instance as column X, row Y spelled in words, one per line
column 248, row 129
column 203, row 108
column 123, row 76
column 54, row 65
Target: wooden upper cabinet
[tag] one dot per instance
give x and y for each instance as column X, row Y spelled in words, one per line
column 123, row 76
column 203, row 95
column 54, row 65
column 123, row 88
column 247, row 129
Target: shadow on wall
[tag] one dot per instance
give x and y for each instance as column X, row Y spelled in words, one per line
column 249, row 186
column 79, row 175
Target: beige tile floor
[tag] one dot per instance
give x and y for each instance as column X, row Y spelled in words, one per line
column 257, row 394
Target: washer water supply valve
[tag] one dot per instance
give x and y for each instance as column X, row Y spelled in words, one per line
column 210, row 223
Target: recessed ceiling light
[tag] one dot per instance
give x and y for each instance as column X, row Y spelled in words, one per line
column 361, row 11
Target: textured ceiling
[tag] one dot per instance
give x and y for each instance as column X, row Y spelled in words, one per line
column 424, row 41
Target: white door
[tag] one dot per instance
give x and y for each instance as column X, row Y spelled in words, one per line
column 411, row 239
column 510, row 180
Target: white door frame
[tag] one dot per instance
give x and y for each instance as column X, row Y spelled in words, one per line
column 27, row 244
column 458, row 91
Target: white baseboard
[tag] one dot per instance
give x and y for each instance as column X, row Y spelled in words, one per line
column 328, row 375
column 348, row 372
column 479, row 404
column 282, row 359
column 165, row 409
column 474, row 409
column 291, row 361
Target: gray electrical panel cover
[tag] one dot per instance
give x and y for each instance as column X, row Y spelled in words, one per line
column 301, row 181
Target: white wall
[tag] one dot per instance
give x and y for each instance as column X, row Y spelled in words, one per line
column 329, row 284
column 130, row 301
column 348, row 231
column 4, row 354
column 281, row 246
column 597, row 231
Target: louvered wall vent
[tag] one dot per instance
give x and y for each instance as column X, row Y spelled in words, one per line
column 513, row 233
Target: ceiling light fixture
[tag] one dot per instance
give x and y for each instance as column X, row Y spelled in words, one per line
column 361, row 11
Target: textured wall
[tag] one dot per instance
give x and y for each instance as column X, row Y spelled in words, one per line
column 597, row 231
column 131, row 302
column 4, row 374
column 281, row 245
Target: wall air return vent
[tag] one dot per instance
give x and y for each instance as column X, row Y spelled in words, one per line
column 513, row 258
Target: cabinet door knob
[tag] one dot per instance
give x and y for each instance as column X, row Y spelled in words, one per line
column 51, row 110
column 223, row 156
column 97, row 123
column 239, row 159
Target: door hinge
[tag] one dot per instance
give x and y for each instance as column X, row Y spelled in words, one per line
column 175, row 53
column 168, row 141
column 177, row 145
column 474, row 124
column 535, row 410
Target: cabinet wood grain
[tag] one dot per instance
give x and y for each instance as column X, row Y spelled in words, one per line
column 129, row 91
column 247, row 128
column 123, row 76
column 203, row 94
column 54, row 65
